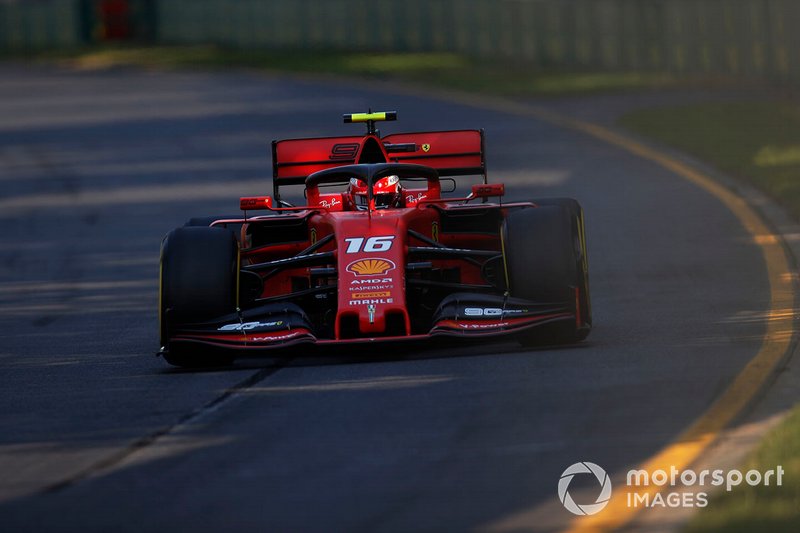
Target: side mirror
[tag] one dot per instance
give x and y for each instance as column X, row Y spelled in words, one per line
column 488, row 190
column 253, row 203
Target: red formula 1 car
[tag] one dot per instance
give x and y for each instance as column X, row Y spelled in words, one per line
column 377, row 254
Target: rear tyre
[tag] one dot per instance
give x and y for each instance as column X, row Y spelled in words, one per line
column 545, row 253
column 208, row 220
column 199, row 268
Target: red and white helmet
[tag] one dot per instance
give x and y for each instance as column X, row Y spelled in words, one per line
column 387, row 192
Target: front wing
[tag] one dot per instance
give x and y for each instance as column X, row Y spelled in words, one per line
column 464, row 316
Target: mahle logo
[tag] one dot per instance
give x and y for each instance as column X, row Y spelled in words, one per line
column 584, row 467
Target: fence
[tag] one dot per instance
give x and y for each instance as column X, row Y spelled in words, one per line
column 38, row 24
column 747, row 37
column 739, row 37
column 41, row 24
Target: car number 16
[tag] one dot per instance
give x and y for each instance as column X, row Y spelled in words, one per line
column 372, row 244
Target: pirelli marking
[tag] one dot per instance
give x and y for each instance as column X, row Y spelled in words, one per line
column 367, row 295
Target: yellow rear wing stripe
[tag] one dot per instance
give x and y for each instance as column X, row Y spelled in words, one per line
column 367, row 117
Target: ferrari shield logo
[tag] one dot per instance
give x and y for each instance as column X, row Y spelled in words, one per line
column 435, row 231
column 313, row 235
column 426, row 147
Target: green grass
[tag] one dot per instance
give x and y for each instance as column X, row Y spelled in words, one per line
column 435, row 69
column 760, row 508
column 758, row 141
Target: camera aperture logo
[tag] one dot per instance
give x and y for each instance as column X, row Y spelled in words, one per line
column 584, row 467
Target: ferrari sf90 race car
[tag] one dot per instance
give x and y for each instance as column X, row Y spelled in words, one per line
column 378, row 253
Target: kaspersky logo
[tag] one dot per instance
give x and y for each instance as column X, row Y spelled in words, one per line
column 584, row 467
column 370, row 267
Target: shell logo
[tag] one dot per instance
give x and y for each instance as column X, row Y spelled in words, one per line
column 370, row 267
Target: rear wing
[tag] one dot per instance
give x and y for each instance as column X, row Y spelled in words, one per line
column 294, row 159
column 451, row 153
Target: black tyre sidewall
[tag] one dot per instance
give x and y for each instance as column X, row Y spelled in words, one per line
column 198, row 276
column 581, row 251
column 553, row 276
column 208, row 220
column 540, row 255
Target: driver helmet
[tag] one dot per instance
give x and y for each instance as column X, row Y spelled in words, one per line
column 387, row 192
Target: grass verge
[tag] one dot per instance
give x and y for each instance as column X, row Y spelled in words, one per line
column 758, row 141
column 438, row 69
column 761, row 508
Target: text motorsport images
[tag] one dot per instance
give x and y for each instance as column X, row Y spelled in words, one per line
column 644, row 489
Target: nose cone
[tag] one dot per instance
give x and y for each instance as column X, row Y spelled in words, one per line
column 371, row 266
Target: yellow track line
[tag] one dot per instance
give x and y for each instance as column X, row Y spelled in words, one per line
column 691, row 443
column 777, row 341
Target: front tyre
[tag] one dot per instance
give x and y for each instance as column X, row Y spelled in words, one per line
column 545, row 254
column 198, row 280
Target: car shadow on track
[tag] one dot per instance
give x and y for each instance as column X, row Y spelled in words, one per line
column 309, row 356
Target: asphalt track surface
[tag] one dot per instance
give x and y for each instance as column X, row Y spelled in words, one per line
column 97, row 434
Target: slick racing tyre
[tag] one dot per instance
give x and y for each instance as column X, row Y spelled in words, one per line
column 199, row 267
column 581, row 253
column 208, row 220
column 545, row 254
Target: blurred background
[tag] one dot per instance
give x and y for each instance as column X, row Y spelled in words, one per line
column 734, row 37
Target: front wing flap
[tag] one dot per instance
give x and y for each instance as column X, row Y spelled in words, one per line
column 459, row 316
